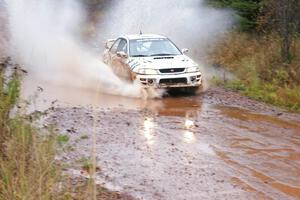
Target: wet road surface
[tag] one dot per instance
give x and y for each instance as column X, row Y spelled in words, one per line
column 218, row 145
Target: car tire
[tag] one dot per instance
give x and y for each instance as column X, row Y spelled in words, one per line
column 195, row 90
column 186, row 90
column 192, row 90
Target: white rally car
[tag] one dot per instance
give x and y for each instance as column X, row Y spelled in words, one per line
column 154, row 60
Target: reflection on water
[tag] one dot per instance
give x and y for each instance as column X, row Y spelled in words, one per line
column 246, row 115
column 189, row 137
column 178, row 106
column 72, row 96
column 148, row 130
column 185, row 108
column 188, row 123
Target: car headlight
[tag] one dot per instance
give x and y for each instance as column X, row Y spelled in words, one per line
column 147, row 71
column 193, row 69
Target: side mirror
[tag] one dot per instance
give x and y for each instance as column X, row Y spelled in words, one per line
column 122, row 54
column 184, row 51
column 109, row 43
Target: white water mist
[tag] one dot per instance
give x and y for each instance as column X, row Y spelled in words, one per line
column 44, row 38
column 190, row 24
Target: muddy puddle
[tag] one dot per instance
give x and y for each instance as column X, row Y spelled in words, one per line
column 42, row 94
column 184, row 147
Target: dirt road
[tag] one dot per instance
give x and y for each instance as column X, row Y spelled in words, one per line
column 219, row 145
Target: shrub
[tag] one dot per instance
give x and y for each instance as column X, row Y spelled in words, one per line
column 261, row 74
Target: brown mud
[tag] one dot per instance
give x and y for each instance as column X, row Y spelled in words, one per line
column 218, row 145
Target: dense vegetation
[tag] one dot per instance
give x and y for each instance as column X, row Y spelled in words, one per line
column 27, row 169
column 247, row 11
column 263, row 50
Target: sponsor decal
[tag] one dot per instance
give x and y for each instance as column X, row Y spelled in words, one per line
column 134, row 65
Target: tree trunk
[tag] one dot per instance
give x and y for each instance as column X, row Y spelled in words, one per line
column 285, row 28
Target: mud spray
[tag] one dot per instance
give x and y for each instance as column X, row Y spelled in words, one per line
column 44, row 36
column 190, row 24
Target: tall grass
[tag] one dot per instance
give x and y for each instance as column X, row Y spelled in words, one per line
column 256, row 62
column 27, row 168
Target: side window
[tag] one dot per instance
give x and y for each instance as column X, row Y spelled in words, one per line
column 115, row 46
column 122, row 46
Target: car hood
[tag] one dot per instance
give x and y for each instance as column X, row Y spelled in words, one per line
column 160, row 62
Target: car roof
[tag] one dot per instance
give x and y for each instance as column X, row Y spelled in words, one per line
column 142, row 36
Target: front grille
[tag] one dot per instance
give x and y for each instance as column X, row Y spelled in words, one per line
column 160, row 58
column 173, row 81
column 172, row 70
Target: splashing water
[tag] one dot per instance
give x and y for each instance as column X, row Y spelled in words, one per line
column 44, row 37
column 190, row 24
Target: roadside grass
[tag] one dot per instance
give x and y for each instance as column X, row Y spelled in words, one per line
column 268, row 93
column 260, row 74
column 87, row 164
column 28, row 168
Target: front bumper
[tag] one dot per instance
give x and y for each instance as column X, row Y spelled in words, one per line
column 181, row 80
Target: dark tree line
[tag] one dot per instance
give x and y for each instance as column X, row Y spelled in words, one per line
column 281, row 16
column 254, row 16
column 247, row 11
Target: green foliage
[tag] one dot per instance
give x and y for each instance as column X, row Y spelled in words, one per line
column 87, row 164
column 262, row 16
column 269, row 93
column 9, row 92
column 259, row 70
column 27, row 169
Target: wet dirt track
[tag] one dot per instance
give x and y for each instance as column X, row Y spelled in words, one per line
column 218, row 145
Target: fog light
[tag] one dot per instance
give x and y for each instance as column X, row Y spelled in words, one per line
column 193, row 78
column 151, row 81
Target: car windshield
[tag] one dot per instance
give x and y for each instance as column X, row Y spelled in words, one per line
column 152, row 47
